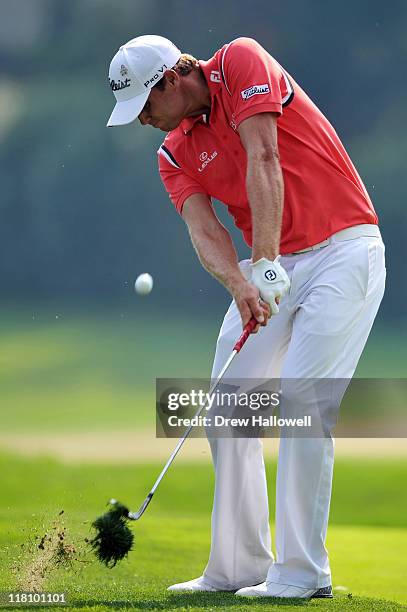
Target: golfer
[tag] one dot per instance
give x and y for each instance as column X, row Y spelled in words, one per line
column 242, row 131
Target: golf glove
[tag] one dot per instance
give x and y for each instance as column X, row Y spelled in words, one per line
column 271, row 280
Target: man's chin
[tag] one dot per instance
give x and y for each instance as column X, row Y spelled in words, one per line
column 167, row 128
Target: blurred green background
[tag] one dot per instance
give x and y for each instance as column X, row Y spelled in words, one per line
column 83, row 212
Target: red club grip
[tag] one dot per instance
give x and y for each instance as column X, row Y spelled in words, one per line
column 248, row 328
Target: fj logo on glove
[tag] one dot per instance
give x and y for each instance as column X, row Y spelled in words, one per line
column 270, row 275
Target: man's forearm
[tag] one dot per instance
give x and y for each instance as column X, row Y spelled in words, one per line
column 218, row 256
column 265, row 190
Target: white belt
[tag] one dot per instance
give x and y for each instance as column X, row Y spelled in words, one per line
column 356, row 231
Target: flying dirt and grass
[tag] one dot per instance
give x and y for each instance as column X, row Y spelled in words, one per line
column 44, row 554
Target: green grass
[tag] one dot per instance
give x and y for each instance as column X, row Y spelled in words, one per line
column 93, row 372
column 96, row 371
column 367, row 536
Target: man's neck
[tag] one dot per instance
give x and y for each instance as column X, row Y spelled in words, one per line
column 200, row 96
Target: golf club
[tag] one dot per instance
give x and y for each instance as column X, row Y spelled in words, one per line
column 114, row 539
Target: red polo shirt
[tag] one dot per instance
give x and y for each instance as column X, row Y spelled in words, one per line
column 323, row 192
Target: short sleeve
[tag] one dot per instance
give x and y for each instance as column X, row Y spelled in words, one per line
column 178, row 185
column 254, row 79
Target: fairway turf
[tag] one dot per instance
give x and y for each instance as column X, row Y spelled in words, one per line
column 96, row 372
column 367, row 537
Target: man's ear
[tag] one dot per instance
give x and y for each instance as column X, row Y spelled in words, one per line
column 172, row 77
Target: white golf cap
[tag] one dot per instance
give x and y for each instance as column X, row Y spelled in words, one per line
column 135, row 69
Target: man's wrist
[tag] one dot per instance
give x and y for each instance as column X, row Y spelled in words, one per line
column 271, row 255
column 236, row 283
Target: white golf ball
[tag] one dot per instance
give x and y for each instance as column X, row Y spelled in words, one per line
column 144, row 284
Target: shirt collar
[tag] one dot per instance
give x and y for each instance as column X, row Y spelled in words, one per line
column 188, row 123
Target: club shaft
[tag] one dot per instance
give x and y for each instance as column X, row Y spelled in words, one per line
column 190, row 428
column 236, row 349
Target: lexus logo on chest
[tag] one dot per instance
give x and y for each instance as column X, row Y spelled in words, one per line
column 206, row 159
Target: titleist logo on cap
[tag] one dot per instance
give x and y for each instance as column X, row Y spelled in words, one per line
column 116, row 85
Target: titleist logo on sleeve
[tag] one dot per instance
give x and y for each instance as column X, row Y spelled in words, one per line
column 255, row 90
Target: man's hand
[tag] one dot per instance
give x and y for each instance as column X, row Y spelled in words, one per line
column 250, row 304
column 271, row 280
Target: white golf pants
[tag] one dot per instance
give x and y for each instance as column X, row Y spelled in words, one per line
column 320, row 332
